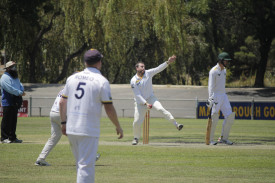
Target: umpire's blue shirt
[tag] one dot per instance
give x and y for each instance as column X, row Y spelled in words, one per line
column 9, row 87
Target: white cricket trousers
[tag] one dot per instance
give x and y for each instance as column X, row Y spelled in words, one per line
column 55, row 135
column 223, row 104
column 84, row 149
column 140, row 111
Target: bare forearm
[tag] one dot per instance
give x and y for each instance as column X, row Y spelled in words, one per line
column 111, row 113
column 63, row 114
column 63, row 109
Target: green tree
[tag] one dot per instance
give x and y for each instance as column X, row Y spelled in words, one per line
column 248, row 57
column 233, row 21
column 23, row 24
column 48, row 38
column 262, row 24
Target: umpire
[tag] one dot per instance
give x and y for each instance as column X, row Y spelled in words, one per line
column 12, row 92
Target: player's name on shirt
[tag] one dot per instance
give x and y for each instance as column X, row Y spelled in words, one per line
column 83, row 77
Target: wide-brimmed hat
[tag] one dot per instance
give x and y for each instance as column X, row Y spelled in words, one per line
column 92, row 56
column 9, row 64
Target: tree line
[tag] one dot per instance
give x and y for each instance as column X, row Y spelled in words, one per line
column 48, row 38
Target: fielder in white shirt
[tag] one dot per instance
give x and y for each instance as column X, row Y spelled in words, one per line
column 55, row 133
column 80, row 110
column 218, row 100
column 145, row 99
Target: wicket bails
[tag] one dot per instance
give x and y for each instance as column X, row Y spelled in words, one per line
column 146, row 125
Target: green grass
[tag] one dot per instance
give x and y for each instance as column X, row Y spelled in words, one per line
column 171, row 156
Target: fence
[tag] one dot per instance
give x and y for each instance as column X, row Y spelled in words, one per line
column 180, row 108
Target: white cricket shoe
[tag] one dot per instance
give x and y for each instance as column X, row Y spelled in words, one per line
column 6, row 141
column 213, row 143
column 135, row 141
column 221, row 140
column 228, row 142
column 41, row 162
column 179, row 126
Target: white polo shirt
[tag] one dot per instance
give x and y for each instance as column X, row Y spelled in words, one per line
column 216, row 82
column 142, row 87
column 86, row 91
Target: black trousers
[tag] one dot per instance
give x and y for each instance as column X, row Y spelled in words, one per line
column 9, row 123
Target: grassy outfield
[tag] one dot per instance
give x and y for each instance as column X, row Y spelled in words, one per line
column 171, row 157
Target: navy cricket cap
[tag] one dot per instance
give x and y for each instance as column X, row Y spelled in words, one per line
column 92, row 56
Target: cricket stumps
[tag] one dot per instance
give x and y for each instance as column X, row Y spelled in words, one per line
column 146, row 125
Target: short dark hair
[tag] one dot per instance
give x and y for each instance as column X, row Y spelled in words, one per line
column 139, row 62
